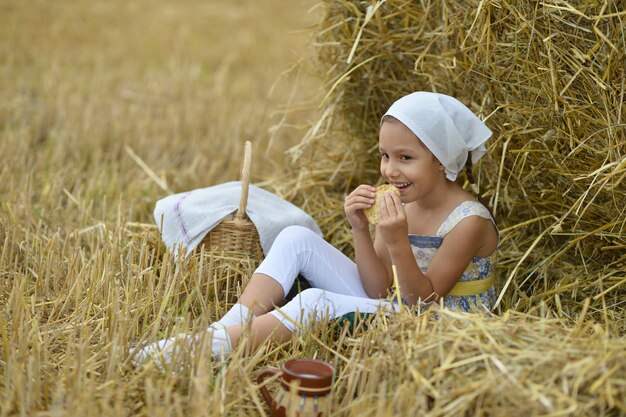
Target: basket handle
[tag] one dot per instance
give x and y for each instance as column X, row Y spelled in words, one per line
column 245, row 180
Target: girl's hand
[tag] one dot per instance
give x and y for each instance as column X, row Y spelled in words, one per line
column 392, row 224
column 361, row 198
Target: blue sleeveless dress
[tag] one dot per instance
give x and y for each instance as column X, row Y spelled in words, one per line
column 424, row 248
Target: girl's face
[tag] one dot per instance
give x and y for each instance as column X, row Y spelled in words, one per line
column 406, row 163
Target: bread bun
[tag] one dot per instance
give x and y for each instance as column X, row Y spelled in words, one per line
column 371, row 214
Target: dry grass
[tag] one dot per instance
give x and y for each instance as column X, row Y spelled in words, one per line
column 106, row 106
column 89, row 92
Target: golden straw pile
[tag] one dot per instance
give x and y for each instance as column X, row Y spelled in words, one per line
column 548, row 77
column 449, row 363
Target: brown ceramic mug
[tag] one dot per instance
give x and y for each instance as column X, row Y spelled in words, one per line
column 305, row 385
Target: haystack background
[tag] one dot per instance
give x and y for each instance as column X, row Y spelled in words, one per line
column 107, row 107
column 548, row 78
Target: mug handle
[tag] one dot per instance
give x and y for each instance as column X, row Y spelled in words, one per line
column 259, row 379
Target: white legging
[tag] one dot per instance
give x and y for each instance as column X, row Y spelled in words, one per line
column 337, row 287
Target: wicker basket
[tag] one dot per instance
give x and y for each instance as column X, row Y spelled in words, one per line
column 236, row 232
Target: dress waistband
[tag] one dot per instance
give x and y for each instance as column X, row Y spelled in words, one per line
column 472, row 287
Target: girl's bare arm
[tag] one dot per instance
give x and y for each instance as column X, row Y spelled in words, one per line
column 372, row 269
column 371, row 265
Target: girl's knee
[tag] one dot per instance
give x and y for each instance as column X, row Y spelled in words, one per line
column 312, row 293
column 295, row 234
column 311, row 298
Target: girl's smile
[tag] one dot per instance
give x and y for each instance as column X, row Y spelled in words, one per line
column 402, row 186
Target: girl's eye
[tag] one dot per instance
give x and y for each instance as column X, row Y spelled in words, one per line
column 384, row 156
column 405, row 158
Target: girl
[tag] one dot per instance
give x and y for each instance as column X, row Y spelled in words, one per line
column 441, row 240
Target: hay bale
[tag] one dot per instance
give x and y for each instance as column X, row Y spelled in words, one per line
column 449, row 363
column 549, row 80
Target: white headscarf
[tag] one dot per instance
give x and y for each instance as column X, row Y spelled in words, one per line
column 445, row 126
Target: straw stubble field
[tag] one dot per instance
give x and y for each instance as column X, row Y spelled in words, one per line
column 106, row 107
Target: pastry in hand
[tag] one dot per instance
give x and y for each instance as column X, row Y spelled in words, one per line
column 373, row 212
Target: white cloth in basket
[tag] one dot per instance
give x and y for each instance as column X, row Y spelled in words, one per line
column 186, row 218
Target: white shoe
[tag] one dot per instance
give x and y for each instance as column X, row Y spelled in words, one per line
column 163, row 352
column 166, row 352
